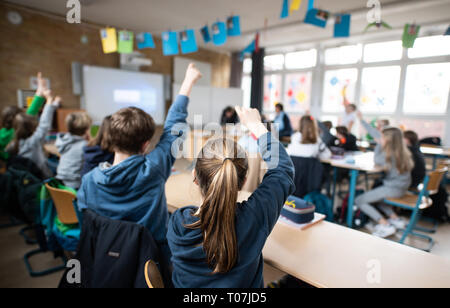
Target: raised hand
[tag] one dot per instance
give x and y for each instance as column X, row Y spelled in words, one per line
column 251, row 119
column 192, row 76
column 41, row 85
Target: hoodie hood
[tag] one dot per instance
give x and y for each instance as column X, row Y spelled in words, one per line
column 185, row 242
column 64, row 142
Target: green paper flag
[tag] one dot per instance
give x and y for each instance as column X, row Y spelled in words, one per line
column 410, row 34
column 126, row 40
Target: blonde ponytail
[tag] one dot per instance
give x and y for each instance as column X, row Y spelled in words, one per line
column 221, row 174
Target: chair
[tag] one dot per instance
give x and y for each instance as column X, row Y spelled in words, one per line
column 416, row 203
column 153, row 277
column 63, row 202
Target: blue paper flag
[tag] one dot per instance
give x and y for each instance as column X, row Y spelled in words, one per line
column 234, row 26
column 448, row 31
column 188, row 42
column 310, row 5
column 317, row 18
column 170, row 43
column 145, row 40
column 342, row 25
column 219, row 30
column 249, row 49
column 205, row 34
column 285, row 9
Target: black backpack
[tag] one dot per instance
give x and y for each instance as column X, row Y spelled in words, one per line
column 438, row 210
column 359, row 218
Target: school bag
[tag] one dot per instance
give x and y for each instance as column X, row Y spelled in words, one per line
column 323, row 204
column 438, row 210
column 359, row 218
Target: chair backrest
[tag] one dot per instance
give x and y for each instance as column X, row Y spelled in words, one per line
column 436, row 177
column 63, row 201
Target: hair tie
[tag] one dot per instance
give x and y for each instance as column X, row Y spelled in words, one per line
column 227, row 159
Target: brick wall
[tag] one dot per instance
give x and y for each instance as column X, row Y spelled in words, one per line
column 50, row 45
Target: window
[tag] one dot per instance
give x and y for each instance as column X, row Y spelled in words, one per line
column 379, row 89
column 301, row 59
column 426, row 89
column 274, row 63
column 335, row 81
column 247, row 87
column 424, row 128
column 247, row 66
column 430, row 46
column 386, row 51
column 297, row 95
column 343, row 55
column 272, row 91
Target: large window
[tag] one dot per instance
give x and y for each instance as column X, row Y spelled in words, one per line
column 343, row 55
column 272, row 91
column 430, row 46
column 426, row 90
column 301, row 59
column 297, row 95
column 386, row 51
column 334, row 83
column 379, row 89
column 273, row 63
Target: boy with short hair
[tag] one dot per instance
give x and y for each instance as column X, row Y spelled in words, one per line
column 70, row 146
column 133, row 188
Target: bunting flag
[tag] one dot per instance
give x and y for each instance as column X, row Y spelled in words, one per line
column 285, row 9
column 170, row 43
column 310, row 4
column 410, row 34
column 126, row 42
column 317, row 17
column 253, row 47
column 378, row 25
column 234, row 26
column 145, row 40
column 109, row 40
column 205, row 34
column 342, row 25
column 188, row 42
column 219, row 30
column 295, row 5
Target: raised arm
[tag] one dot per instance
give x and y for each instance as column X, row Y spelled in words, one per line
column 344, row 96
column 369, row 128
column 278, row 183
column 46, row 120
column 162, row 154
column 39, row 97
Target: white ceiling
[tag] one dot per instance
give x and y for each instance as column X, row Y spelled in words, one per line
column 157, row 16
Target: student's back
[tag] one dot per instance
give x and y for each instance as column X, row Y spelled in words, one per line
column 236, row 232
column 133, row 188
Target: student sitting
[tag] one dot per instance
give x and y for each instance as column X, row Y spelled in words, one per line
column 219, row 244
column 229, row 116
column 419, row 172
column 133, row 187
column 282, row 121
column 30, row 134
column 307, row 142
column 98, row 149
column 392, row 154
column 70, row 146
column 9, row 114
column 345, row 139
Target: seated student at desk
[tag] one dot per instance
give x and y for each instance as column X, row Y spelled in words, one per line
column 419, row 171
column 392, row 154
column 345, row 139
column 306, row 142
column 220, row 244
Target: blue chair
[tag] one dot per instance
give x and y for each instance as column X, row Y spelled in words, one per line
column 417, row 203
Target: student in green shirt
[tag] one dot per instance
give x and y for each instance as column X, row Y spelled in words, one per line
column 9, row 113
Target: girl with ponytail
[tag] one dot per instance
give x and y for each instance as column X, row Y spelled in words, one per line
column 219, row 244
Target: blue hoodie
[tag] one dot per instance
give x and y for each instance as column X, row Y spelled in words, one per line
column 255, row 220
column 93, row 157
column 134, row 190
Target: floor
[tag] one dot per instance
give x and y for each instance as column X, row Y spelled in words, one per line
column 13, row 273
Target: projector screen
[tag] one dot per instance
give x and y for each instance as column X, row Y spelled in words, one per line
column 108, row 90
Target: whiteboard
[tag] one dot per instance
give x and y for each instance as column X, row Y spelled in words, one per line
column 181, row 64
column 210, row 102
column 108, row 90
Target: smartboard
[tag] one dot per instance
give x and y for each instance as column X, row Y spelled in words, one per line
column 108, row 90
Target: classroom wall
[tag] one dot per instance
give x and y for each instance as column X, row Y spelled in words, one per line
column 50, row 44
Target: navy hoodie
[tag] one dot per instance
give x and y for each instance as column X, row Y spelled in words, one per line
column 255, row 220
column 93, row 157
column 134, row 190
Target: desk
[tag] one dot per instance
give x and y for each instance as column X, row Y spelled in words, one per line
column 332, row 256
column 435, row 152
column 363, row 162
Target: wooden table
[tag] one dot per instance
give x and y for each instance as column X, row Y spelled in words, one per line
column 362, row 162
column 332, row 256
column 435, row 152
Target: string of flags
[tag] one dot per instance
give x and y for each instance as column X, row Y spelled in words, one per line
column 172, row 42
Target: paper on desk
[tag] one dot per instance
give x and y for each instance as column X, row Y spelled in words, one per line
column 317, row 218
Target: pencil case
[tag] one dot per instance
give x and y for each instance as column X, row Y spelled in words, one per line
column 298, row 211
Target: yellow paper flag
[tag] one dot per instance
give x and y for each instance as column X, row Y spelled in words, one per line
column 295, row 5
column 109, row 40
